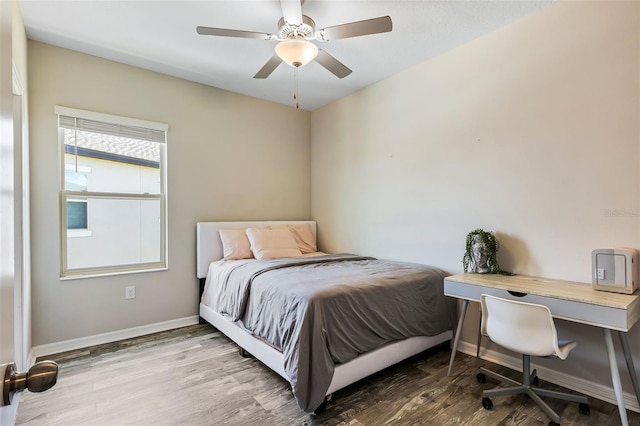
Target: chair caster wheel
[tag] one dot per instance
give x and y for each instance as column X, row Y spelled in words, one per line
column 487, row 404
column 481, row 378
column 554, row 424
column 243, row 353
column 584, row 409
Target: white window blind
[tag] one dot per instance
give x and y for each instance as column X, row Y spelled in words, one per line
column 113, row 129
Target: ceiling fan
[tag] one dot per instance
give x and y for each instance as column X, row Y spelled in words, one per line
column 294, row 32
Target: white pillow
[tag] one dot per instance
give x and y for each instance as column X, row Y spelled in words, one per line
column 303, row 235
column 235, row 244
column 272, row 243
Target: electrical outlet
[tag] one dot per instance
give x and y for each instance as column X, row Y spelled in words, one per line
column 600, row 273
column 130, row 292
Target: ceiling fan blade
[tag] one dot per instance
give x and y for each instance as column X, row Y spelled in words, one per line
column 233, row 33
column 356, row 29
column 292, row 11
column 332, row 64
column 269, row 67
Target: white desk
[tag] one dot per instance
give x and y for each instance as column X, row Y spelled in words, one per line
column 571, row 301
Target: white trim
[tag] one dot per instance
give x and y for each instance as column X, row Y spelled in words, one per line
column 108, row 118
column 586, row 387
column 18, row 90
column 31, row 358
column 113, row 336
column 90, row 273
column 69, row 195
column 9, row 413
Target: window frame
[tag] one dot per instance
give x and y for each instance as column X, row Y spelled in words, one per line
column 68, row 195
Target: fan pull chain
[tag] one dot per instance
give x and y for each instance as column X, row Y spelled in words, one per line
column 295, row 86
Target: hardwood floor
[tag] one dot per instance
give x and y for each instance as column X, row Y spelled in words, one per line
column 195, row 376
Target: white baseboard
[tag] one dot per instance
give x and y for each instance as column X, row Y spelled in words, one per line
column 598, row 391
column 113, row 336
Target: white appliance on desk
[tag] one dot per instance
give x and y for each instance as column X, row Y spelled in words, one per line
column 615, row 270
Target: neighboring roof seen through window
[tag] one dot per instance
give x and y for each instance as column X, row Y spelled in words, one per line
column 113, row 148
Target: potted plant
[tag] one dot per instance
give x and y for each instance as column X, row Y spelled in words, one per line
column 481, row 249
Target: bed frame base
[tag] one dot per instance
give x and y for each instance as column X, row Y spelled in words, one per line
column 323, row 407
column 345, row 374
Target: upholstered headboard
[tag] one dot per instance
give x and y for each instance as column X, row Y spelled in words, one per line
column 209, row 245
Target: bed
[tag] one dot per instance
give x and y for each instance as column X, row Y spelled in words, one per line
column 315, row 343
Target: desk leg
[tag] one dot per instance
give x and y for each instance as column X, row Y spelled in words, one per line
column 630, row 367
column 479, row 342
column 456, row 338
column 615, row 376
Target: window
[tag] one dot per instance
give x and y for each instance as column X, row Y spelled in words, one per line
column 112, row 194
column 77, row 214
column 75, row 178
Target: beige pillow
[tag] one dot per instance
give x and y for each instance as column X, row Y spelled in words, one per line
column 304, row 237
column 272, row 243
column 235, row 244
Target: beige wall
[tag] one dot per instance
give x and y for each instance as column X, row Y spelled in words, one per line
column 230, row 157
column 531, row 131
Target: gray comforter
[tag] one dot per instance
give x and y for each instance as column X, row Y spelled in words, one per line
column 327, row 310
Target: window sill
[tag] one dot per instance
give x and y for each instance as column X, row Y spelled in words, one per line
column 79, row 275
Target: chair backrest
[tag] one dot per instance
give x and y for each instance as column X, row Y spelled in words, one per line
column 525, row 328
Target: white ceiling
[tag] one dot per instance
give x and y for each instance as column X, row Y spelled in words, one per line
column 160, row 35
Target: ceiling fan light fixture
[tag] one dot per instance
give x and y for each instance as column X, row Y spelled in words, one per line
column 296, row 52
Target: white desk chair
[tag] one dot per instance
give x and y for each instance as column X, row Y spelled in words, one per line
column 528, row 329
